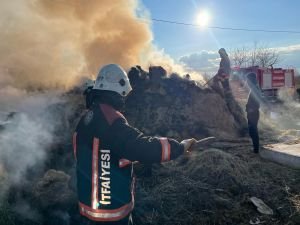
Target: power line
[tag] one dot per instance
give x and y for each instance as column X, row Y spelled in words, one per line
column 211, row 27
column 221, row 28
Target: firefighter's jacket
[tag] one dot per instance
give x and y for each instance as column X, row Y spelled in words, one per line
column 105, row 146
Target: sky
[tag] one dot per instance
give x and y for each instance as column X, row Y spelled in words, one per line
column 198, row 46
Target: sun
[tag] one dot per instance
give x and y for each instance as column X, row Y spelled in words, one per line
column 203, row 18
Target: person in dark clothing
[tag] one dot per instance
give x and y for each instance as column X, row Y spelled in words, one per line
column 105, row 147
column 224, row 69
column 220, row 84
column 252, row 109
column 223, row 73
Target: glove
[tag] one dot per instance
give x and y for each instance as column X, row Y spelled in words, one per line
column 187, row 144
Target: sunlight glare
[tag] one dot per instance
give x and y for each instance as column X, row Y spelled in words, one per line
column 203, row 18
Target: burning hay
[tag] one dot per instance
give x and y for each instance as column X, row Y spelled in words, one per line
column 179, row 107
column 209, row 187
column 53, row 191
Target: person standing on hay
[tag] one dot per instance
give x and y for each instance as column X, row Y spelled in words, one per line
column 223, row 74
column 222, row 77
column 105, row 147
column 252, row 109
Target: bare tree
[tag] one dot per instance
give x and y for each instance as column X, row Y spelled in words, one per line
column 267, row 57
column 240, row 56
column 253, row 55
column 258, row 55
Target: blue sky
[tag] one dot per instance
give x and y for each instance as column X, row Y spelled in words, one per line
column 179, row 41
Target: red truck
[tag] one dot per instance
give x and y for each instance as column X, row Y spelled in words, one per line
column 270, row 80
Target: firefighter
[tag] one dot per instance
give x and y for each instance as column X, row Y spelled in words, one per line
column 105, row 146
column 223, row 73
column 252, row 109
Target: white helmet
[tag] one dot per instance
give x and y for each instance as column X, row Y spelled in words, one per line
column 112, row 77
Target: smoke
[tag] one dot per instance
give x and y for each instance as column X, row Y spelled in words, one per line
column 23, row 209
column 289, row 110
column 51, row 43
column 27, row 131
column 154, row 56
column 47, row 46
column 283, row 116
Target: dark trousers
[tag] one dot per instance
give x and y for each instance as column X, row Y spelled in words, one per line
column 225, row 90
column 226, row 86
column 253, row 117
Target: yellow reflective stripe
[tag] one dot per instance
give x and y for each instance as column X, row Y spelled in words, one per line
column 106, row 214
column 95, row 174
column 109, row 214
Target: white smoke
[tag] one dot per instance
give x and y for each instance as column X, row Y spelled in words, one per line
column 24, row 209
column 285, row 116
column 48, row 45
column 26, row 133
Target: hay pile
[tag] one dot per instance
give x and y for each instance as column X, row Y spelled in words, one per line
column 219, row 169
column 53, row 191
column 214, row 187
column 198, row 189
column 180, row 108
column 209, row 187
